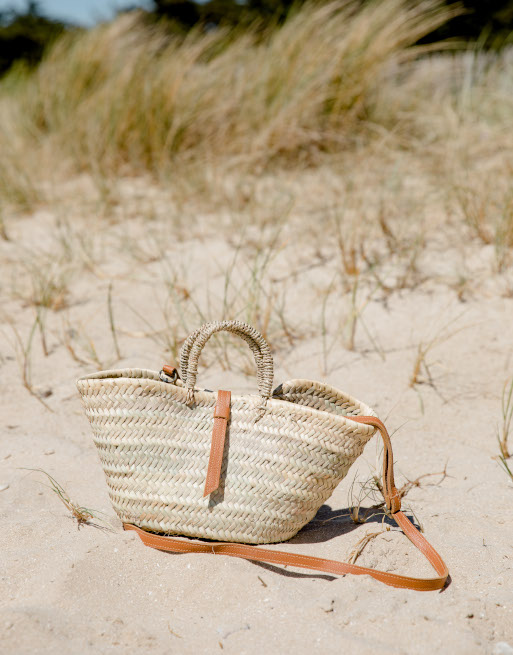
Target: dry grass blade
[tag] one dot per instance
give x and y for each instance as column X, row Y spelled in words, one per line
column 410, row 484
column 68, row 334
column 23, row 352
column 3, row 229
column 368, row 489
column 82, row 515
column 506, row 467
column 442, row 335
column 360, row 545
column 112, row 324
column 175, row 634
column 507, row 419
column 88, row 355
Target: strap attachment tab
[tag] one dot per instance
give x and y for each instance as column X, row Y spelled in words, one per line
column 221, row 417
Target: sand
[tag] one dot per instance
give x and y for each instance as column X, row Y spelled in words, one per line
column 66, row 589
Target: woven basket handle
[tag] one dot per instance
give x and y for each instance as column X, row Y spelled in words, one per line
column 195, row 343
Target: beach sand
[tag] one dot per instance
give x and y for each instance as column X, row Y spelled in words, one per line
column 71, row 589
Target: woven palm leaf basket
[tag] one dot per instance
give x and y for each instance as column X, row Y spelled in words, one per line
column 285, row 452
column 243, row 469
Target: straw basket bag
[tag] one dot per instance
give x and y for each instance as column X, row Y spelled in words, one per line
column 244, row 469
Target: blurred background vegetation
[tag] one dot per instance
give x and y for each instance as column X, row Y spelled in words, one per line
column 26, row 34
column 206, row 99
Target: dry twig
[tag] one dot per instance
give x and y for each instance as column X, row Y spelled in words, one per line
column 359, row 547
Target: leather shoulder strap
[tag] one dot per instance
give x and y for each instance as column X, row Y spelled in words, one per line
column 281, row 558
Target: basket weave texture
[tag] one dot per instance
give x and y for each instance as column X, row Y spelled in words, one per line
column 284, row 455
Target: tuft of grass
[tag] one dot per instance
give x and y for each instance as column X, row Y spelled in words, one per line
column 372, row 489
column 488, row 210
column 369, row 489
column 82, row 515
column 50, row 286
column 420, row 363
column 45, row 280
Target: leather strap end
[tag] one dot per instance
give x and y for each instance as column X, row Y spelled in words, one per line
column 221, row 418
column 210, row 488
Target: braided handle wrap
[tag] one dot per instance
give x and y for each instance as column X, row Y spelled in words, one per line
column 194, row 344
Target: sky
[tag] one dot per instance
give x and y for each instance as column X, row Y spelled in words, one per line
column 81, row 12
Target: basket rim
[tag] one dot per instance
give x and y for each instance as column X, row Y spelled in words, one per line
column 138, row 374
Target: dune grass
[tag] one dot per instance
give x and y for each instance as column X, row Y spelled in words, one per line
column 126, row 97
column 334, row 127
